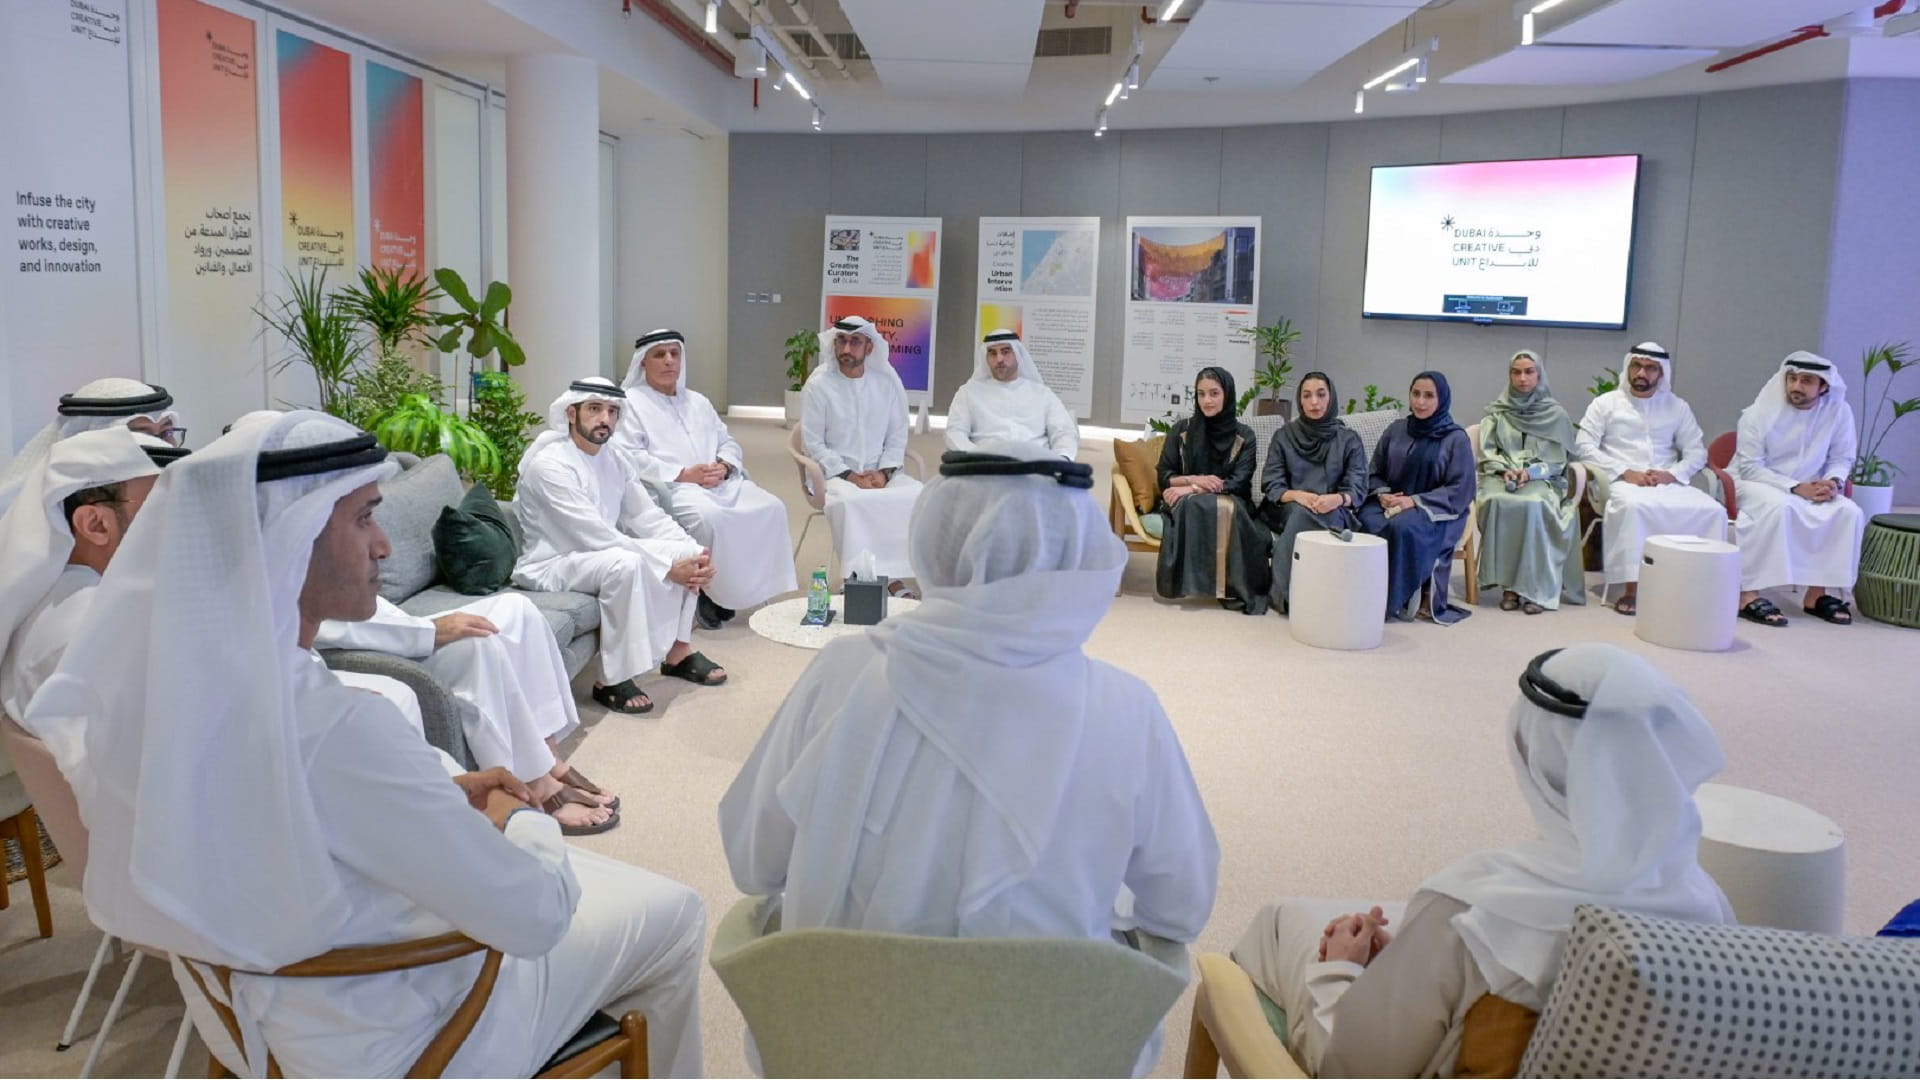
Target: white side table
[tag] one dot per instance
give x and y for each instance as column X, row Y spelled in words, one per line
column 1338, row 599
column 1779, row 863
column 1689, row 588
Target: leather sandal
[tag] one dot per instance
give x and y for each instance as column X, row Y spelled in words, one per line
column 576, row 779
column 1763, row 611
column 695, row 668
column 615, row 697
column 565, row 795
column 1830, row 608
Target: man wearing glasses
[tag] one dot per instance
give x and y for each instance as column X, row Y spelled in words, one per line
column 100, row 404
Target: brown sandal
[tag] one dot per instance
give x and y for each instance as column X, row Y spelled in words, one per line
column 565, row 795
column 576, row 779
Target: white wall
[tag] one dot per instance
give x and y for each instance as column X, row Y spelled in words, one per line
column 672, row 219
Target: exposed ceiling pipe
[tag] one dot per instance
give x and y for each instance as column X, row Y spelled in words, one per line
column 805, row 19
column 750, row 11
column 1798, row 37
column 667, row 17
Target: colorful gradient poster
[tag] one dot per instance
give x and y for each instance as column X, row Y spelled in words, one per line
column 396, row 169
column 907, row 324
column 887, row 269
column 69, row 302
column 316, row 156
column 210, row 151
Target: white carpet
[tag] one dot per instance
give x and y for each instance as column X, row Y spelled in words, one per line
column 1335, row 774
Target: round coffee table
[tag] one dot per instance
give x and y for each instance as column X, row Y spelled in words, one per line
column 1889, row 587
column 1780, row 863
column 781, row 622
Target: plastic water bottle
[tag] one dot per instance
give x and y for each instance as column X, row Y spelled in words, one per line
column 819, row 599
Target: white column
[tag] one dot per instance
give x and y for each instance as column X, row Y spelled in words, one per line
column 553, row 219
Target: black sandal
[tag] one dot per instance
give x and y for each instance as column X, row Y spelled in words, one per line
column 695, row 668
column 1830, row 608
column 566, row 795
column 576, row 779
column 1626, row 605
column 1763, row 611
column 615, row 697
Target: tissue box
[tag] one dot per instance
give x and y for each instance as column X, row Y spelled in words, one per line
column 864, row 601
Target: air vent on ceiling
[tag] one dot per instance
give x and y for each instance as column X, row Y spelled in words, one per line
column 1074, row 41
column 847, row 45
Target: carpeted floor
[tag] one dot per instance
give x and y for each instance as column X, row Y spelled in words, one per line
column 1333, row 774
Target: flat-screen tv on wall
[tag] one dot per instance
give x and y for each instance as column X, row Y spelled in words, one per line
column 1542, row 242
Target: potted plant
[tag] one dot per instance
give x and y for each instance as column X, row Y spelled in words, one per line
column 1375, row 400
column 392, row 304
column 1873, row 474
column 319, row 332
column 802, row 346
column 420, row 426
column 1604, row 383
column 477, row 326
column 1274, row 344
column 500, row 410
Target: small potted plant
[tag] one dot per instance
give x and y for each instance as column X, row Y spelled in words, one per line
column 1274, row 344
column 1604, row 383
column 1375, row 401
column 1873, row 474
column 801, row 348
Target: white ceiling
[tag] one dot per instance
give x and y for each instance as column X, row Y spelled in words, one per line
column 1716, row 24
column 1233, row 46
column 921, row 50
column 1576, row 65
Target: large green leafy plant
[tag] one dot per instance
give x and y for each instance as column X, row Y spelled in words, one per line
column 319, row 330
column 1870, row 469
column 418, row 425
column 801, row 348
column 1376, row 400
column 1274, row 344
column 500, row 411
column 478, row 327
column 393, row 305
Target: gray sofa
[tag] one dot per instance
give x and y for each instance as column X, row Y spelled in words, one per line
column 411, row 503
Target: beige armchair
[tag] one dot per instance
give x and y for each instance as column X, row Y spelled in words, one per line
column 813, row 480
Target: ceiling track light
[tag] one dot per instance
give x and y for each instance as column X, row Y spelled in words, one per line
column 798, row 88
column 1409, row 62
column 713, row 16
column 1133, row 74
column 818, row 116
column 1100, row 123
column 1168, row 11
column 1359, row 102
column 1114, row 94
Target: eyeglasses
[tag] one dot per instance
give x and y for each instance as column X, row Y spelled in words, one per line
column 174, row 436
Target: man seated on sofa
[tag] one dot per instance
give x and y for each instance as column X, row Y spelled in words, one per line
column 590, row 529
column 100, row 404
column 497, row 654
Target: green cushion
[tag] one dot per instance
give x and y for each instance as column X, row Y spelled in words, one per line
column 1276, row 1016
column 473, row 545
column 1154, row 524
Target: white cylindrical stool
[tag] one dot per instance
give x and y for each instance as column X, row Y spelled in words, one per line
column 1689, row 590
column 1779, row 863
column 1338, row 599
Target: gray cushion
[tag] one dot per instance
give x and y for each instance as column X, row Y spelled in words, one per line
column 1368, row 425
column 568, row 614
column 410, row 504
column 1643, row 996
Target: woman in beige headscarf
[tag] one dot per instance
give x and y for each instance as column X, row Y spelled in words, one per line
column 1529, row 521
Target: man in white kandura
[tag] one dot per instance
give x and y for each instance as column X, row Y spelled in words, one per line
column 1796, row 524
column 330, row 824
column 976, row 724
column 853, row 421
column 102, row 403
column 674, row 438
column 1007, row 399
column 1644, row 439
column 590, row 528
column 55, row 541
column 497, row 655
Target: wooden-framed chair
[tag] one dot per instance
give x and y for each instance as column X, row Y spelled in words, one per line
column 19, row 823
column 602, row 1042
column 1469, row 550
column 813, row 481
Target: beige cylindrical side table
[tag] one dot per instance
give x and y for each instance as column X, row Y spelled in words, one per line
column 1338, row 599
column 1779, row 863
column 1689, row 590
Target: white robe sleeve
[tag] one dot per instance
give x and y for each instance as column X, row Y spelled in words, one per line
column 1843, row 448
column 390, row 631
column 1063, row 431
column 1750, row 455
column 728, row 450
column 654, row 534
column 1589, row 443
column 893, row 452
column 816, row 410
column 960, row 421
column 571, row 511
column 1396, row 1018
column 392, row 815
column 1690, row 443
column 636, row 453
column 1173, row 871
column 755, row 829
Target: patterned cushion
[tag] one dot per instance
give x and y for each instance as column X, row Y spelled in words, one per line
column 411, row 502
column 1641, row 996
column 1368, row 425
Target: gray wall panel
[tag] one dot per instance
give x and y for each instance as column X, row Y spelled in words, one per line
column 1739, row 254
column 1755, row 286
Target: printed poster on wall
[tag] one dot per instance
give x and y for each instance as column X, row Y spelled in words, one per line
column 396, row 169
column 316, row 156
column 69, row 300
column 210, row 157
column 1193, row 285
column 887, row 269
column 1037, row 279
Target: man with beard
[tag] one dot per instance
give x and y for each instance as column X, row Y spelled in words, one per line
column 853, row 421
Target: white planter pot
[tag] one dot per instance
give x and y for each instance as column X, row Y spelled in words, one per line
column 793, row 408
column 1873, row 499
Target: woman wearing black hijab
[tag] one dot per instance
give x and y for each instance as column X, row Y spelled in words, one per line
column 1422, row 486
column 1316, row 476
column 1211, row 544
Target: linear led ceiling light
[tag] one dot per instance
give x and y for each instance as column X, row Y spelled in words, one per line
column 713, row 16
column 1359, row 102
column 1172, row 6
column 1114, row 94
column 798, row 88
column 1526, row 21
column 1409, row 62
